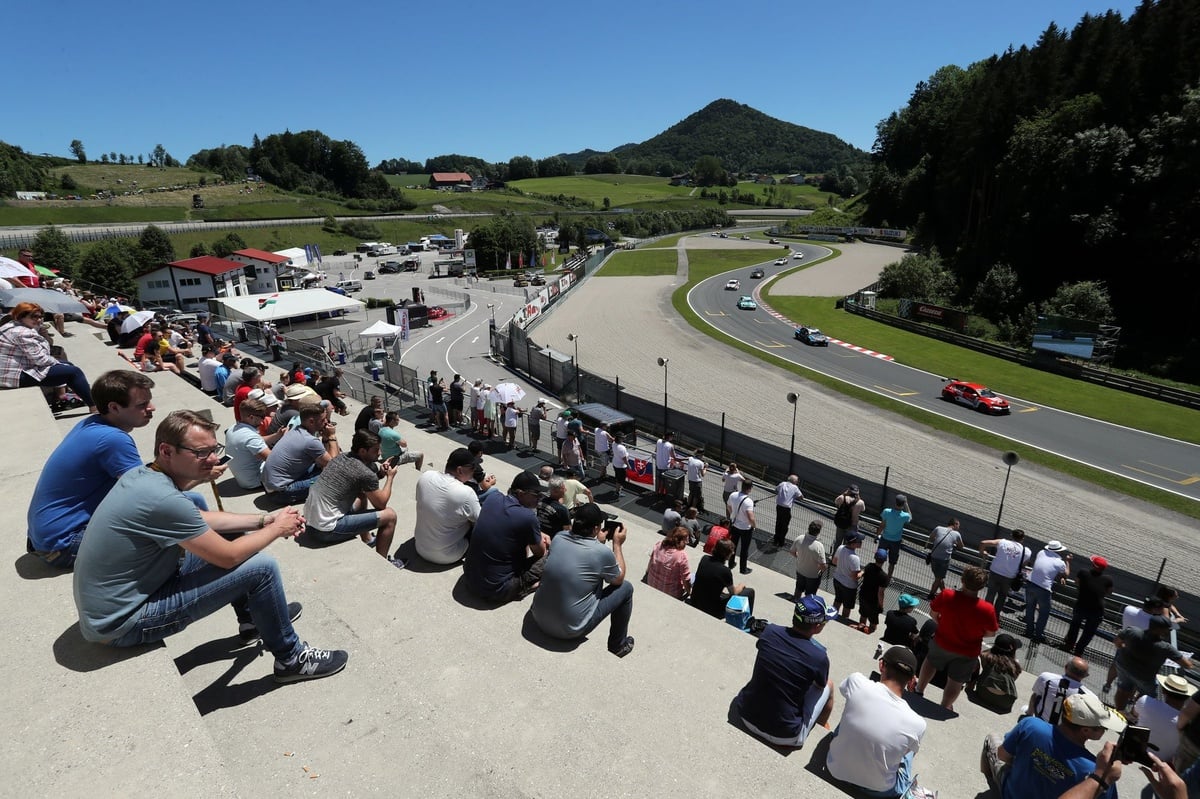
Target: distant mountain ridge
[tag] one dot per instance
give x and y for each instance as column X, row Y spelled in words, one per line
column 743, row 138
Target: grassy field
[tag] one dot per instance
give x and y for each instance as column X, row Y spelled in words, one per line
column 640, row 263
column 621, row 190
column 118, row 177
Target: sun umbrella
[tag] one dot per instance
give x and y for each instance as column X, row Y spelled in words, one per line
column 507, row 392
column 114, row 309
column 51, row 301
column 42, row 270
column 11, row 268
column 136, row 320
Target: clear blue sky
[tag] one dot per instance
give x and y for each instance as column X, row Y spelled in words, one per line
column 488, row 79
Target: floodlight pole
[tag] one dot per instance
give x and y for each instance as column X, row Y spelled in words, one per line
column 663, row 363
column 575, row 338
column 1010, row 459
column 792, row 397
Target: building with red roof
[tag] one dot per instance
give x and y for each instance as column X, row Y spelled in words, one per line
column 262, row 269
column 448, row 180
column 189, row 284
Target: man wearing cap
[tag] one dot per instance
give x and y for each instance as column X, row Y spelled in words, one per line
column 899, row 625
column 847, row 571
column 447, row 509
column 942, row 543
column 573, row 597
column 1051, row 689
column 892, row 522
column 1037, row 760
column 204, row 333
column 874, row 744
column 248, row 451
column 300, row 455
column 809, row 553
column 789, row 691
column 1049, row 567
column 1140, row 656
column 507, row 552
column 1161, row 716
column 1092, row 586
column 847, row 509
column 786, row 494
column 963, row 620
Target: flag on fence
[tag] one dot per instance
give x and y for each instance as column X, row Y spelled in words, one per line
column 521, row 260
column 317, row 252
column 640, row 471
column 308, row 255
column 508, row 260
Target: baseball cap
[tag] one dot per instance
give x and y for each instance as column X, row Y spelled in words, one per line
column 1086, row 710
column 1099, row 562
column 854, row 489
column 1006, row 644
column 853, row 538
column 908, row 601
column 902, row 658
column 459, row 458
column 590, row 514
column 813, row 610
column 881, row 554
column 528, row 481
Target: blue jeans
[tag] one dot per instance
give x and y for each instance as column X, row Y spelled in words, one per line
column 615, row 601
column 63, row 373
column 347, row 527
column 297, row 491
column 61, row 558
column 199, row 588
column 1037, row 601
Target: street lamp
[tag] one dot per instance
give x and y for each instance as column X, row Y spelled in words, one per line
column 575, row 338
column 1010, row 459
column 663, row 363
column 792, row 397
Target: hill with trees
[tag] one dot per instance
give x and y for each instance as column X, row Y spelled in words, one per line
column 1072, row 161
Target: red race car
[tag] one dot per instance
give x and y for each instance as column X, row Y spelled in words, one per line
column 973, row 395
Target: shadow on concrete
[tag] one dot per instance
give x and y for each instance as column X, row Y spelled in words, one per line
column 31, row 567
column 222, row 692
column 72, row 652
column 734, row 719
column 228, row 489
column 463, row 596
column 407, row 552
column 816, row 765
column 929, row 709
column 534, row 635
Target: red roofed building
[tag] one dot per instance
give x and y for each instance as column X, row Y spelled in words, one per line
column 189, row 284
column 448, row 180
column 262, row 269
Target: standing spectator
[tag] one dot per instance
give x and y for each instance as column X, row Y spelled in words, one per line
column 298, row 457
column 809, row 553
column 874, row 744
column 573, row 598
column 871, row 591
column 455, row 403
column 1170, row 596
column 789, row 692
column 942, row 543
column 207, row 369
column 1051, row 689
column 1161, row 716
column 696, row 469
column 477, row 403
column 1140, row 656
column 963, row 621
column 204, row 334
column 1049, row 567
column 512, row 417
column 891, row 529
column 1093, row 585
column 620, row 462
column 1189, row 734
column 394, row 447
column 487, row 411
column 330, row 388
column 347, row 499
column 668, row 569
column 847, row 510
column 714, row 582
column 847, row 571
column 572, row 455
column 437, row 402
column 740, row 509
column 535, row 417
column 664, row 459
column 603, row 447
column 575, row 425
column 447, row 509
column 1006, row 571
column 507, row 552
column 25, row 358
column 786, row 494
column 731, row 481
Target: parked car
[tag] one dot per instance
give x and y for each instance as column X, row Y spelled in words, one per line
column 339, row 252
column 368, row 275
column 781, row 261
column 812, row 337
column 733, row 284
column 747, row 303
column 976, row 396
column 411, row 265
column 758, row 274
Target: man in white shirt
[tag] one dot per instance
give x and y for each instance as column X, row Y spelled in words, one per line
column 874, row 745
column 208, row 371
column 602, row 443
column 1161, row 716
column 1049, row 567
column 447, row 509
column 664, row 458
column 786, row 494
column 620, row 462
column 696, row 469
column 1051, row 689
column 1008, row 562
column 740, row 510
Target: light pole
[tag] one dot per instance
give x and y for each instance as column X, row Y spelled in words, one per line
column 492, row 330
column 792, row 397
column 1010, row 459
column 663, row 363
column 575, row 338
column 492, row 308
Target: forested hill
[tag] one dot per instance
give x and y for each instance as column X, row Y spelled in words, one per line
column 745, row 140
column 1075, row 159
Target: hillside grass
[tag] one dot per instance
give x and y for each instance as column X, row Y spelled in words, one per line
column 641, row 263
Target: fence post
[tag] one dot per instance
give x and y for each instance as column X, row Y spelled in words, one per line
column 722, row 436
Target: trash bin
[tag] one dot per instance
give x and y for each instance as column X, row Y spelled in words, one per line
column 674, row 482
column 375, row 373
column 341, row 358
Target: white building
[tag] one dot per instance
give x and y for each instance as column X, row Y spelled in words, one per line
column 263, row 269
column 189, row 284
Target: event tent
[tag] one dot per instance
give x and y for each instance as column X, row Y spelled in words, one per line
column 381, row 329
column 284, row 305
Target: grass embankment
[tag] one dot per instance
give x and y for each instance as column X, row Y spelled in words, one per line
column 641, row 263
column 707, row 263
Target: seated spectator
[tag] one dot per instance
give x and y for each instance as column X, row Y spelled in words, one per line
column 347, row 500
column 789, row 691
column 994, row 685
column 714, row 582
column 899, row 626
column 329, row 388
column 394, row 447
column 447, row 509
column 691, row 521
column 152, row 362
column 717, row 532
column 248, row 449
column 1052, row 688
column 668, row 570
column 483, row 483
column 25, row 358
column 207, row 369
column 552, row 514
column 507, row 552
column 222, row 373
column 584, row 582
column 251, row 379
column 874, row 744
column 576, row 493
column 300, row 455
column 672, row 517
column 1161, row 716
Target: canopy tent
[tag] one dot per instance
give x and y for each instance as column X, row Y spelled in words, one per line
column 381, row 329
column 284, row 305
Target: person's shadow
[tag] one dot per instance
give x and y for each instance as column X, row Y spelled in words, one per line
column 534, row 635
column 223, row 692
column 72, row 652
column 31, row 567
column 407, row 552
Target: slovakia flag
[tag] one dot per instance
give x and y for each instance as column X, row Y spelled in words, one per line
column 640, row 471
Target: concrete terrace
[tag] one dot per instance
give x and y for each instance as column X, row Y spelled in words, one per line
column 441, row 698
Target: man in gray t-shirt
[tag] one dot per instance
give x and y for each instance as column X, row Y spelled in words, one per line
column 942, row 543
column 294, row 462
column 572, row 599
column 348, row 500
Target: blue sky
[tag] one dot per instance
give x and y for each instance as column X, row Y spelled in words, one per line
column 487, row 79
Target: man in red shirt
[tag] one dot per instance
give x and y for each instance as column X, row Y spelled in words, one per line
column 964, row 620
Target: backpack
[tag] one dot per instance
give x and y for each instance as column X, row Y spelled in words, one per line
column 844, row 515
column 995, row 689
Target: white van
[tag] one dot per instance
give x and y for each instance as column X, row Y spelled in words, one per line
column 350, row 286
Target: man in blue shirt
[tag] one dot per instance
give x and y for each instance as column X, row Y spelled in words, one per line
column 497, row 566
column 892, row 522
column 86, row 465
column 789, row 691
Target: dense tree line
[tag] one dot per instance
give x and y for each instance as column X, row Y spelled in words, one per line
column 1075, row 160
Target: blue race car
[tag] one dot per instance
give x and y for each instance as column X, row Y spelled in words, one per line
column 747, row 303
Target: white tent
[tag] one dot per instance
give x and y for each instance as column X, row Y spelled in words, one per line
column 381, row 329
column 285, row 305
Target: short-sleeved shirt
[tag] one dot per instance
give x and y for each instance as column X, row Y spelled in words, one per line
column 503, row 532
column 553, row 516
column 899, row 628
column 894, row 520
column 741, row 506
column 1045, row 763
column 874, row 578
column 1047, row 567
column 786, row 667
column 809, row 553
column 208, row 374
column 964, row 621
column 389, row 442
column 1161, row 719
column 786, row 494
column 664, row 453
column 1010, row 557
column 695, row 469
column 878, row 729
column 1144, row 654
column 671, row 519
column 577, row 569
column 668, row 570
column 848, row 564
column 1046, row 688
column 243, row 443
column 713, row 577
column 1092, row 586
column 291, row 458
column 130, row 550
column 943, row 541
column 446, row 510
column 341, row 482
column 576, row 493
column 77, row 476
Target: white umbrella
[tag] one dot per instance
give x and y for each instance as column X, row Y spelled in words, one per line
column 136, row 320
column 11, row 268
column 507, row 392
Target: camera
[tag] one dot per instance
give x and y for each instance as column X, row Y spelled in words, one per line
column 1133, row 745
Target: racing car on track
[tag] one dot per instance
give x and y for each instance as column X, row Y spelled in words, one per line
column 812, row 337
column 976, row 396
column 733, row 284
column 747, row 303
